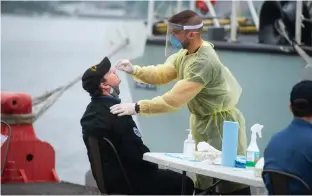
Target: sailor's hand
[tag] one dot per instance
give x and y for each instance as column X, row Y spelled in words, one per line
column 123, row 109
column 126, row 66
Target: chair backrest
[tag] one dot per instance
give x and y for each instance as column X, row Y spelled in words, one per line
column 96, row 164
column 279, row 182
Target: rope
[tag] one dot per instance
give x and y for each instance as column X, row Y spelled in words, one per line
column 280, row 27
column 56, row 94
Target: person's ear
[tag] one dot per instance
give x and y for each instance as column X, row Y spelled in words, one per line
column 104, row 86
column 290, row 107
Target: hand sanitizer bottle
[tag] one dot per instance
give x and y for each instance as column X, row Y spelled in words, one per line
column 189, row 146
column 253, row 152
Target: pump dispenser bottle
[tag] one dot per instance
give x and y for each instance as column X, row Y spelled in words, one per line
column 253, row 152
column 189, row 146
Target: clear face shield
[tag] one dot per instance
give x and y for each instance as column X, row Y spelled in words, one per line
column 173, row 32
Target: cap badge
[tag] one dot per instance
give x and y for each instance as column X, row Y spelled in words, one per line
column 93, row 68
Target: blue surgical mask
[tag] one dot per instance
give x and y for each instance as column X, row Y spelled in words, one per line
column 175, row 43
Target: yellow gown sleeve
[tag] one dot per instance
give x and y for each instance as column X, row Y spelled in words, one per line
column 179, row 95
column 157, row 74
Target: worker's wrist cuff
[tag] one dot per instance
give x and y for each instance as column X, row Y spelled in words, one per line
column 134, row 69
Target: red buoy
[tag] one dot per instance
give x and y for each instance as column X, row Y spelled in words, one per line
column 24, row 158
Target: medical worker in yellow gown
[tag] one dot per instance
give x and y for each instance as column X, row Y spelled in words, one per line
column 205, row 85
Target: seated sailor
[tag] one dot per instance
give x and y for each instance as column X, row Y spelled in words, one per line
column 97, row 121
column 290, row 150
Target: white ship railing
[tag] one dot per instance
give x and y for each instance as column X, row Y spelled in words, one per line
column 213, row 13
column 254, row 13
column 234, row 23
column 150, row 17
column 298, row 21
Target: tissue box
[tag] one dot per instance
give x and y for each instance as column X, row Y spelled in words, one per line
column 203, row 156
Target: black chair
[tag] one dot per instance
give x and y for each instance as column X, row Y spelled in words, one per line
column 279, row 182
column 96, row 165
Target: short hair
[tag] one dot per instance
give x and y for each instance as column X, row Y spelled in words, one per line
column 182, row 17
column 98, row 91
column 301, row 108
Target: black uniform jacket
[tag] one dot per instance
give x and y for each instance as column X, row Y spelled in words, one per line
column 124, row 134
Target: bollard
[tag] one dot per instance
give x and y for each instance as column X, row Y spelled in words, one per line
column 24, row 158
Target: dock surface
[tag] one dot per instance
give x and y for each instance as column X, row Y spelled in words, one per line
column 62, row 188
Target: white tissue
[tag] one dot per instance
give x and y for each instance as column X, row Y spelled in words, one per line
column 205, row 147
column 260, row 163
column 259, row 167
column 217, row 161
column 205, row 152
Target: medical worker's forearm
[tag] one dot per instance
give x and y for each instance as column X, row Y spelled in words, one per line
column 155, row 106
column 179, row 95
column 157, row 75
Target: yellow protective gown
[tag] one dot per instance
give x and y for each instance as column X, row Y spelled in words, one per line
column 211, row 93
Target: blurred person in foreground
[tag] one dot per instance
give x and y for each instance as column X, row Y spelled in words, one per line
column 97, row 121
column 290, row 150
column 205, row 85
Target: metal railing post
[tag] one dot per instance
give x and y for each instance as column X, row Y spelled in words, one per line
column 150, row 17
column 253, row 12
column 298, row 21
column 234, row 24
column 213, row 13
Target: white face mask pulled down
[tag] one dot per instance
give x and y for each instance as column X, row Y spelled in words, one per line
column 114, row 91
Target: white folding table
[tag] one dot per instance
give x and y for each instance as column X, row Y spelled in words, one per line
column 172, row 160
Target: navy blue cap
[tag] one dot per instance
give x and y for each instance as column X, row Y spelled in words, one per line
column 93, row 75
column 301, row 94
